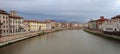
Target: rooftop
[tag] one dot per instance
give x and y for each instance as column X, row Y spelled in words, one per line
column 3, row 12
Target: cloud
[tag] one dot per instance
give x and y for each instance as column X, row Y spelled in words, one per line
column 71, row 10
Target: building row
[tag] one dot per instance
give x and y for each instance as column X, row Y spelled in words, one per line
column 11, row 23
column 108, row 26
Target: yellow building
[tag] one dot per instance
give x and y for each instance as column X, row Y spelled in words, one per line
column 33, row 25
column 42, row 25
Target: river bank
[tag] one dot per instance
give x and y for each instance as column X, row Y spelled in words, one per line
column 102, row 34
column 64, row 42
column 4, row 41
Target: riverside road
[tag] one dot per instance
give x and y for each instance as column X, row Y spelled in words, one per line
column 64, row 42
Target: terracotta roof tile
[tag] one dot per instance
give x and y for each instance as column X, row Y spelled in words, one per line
column 16, row 17
column 118, row 16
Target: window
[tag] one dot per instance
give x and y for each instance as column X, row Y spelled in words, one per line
column 10, row 31
column 6, row 17
column 6, row 26
column 0, row 31
column 7, row 31
column 3, row 26
column 0, row 26
column 3, row 21
column 115, row 29
column 13, row 31
column 13, row 26
column 10, row 21
column 4, row 31
column 6, row 21
column 3, row 17
column 13, row 21
column 16, row 30
column 10, row 26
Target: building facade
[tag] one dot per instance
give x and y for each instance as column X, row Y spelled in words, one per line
column 112, row 26
column 58, row 25
column 16, row 23
column 34, row 25
column 51, row 24
column 42, row 26
column 96, row 24
column 31, row 25
column 4, row 23
column 92, row 25
column 99, row 22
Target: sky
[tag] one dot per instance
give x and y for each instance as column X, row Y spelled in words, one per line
column 63, row 10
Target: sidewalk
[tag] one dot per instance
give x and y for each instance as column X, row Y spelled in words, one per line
column 102, row 34
column 12, row 37
column 18, row 37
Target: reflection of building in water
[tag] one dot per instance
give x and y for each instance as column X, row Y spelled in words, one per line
column 50, row 36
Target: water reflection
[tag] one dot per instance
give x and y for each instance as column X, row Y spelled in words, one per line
column 64, row 42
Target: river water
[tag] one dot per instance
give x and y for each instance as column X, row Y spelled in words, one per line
column 64, row 42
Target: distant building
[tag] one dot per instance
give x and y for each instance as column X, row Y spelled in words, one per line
column 42, row 25
column 99, row 22
column 58, row 25
column 96, row 24
column 34, row 25
column 92, row 24
column 80, row 25
column 65, row 25
column 26, row 25
column 76, row 25
column 68, row 25
column 51, row 24
column 31, row 25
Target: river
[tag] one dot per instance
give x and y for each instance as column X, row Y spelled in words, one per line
column 64, row 42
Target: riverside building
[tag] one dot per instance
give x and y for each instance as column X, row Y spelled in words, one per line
column 34, row 25
column 16, row 23
column 4, row 23
column 10, row 23
column 112, row 26
column 31, row 25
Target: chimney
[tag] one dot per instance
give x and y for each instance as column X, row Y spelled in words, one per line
column 101, row 17
column 13, row 13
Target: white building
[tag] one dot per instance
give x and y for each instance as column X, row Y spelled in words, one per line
column 51, row 24
column 16, row 23
column 4, row 23
column 108, row 26
column 112, row 25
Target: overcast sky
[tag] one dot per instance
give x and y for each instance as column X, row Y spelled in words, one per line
column 65, row 10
